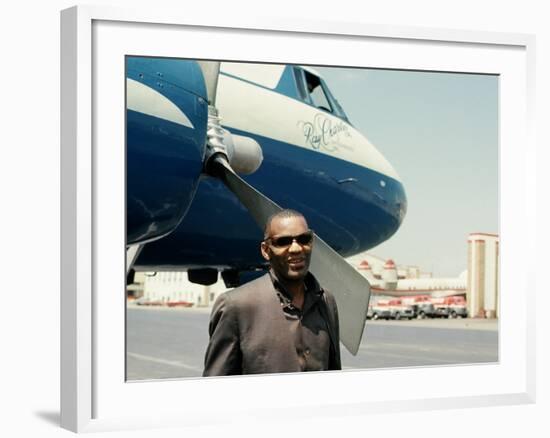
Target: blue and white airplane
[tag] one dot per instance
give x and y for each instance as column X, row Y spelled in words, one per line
column 305, row 155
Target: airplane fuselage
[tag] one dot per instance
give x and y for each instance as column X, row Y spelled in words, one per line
column 315, row 162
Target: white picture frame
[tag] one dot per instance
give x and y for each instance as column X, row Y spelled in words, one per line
column 93, row 395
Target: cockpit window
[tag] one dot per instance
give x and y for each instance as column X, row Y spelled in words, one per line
column 313, row 90
column 316, row 92
column 338, row 110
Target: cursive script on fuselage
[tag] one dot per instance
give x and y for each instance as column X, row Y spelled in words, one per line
column 323, row 132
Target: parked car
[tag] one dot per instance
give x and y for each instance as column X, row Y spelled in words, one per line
column 179, row 304
column 450, row 307
column 422, row 305
column 378, row 312
column 391, row 309
column 400, row 310
column 146, row 301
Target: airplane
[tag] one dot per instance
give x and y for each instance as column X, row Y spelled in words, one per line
column 280, row 125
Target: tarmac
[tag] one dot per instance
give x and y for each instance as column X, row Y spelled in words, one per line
column 457, row 323
column 170, row 342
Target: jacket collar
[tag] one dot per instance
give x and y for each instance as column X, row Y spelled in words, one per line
column 313, row 289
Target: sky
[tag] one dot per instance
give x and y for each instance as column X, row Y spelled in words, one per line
column 440, row 133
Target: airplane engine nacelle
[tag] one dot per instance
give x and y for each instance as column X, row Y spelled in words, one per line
column 245, row 154
column 166, row 114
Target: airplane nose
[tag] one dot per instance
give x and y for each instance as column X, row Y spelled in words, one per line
column 394, row 201
column 400, row 203
column 378, row 211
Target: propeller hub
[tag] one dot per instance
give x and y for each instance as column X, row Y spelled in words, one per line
column 243, row 154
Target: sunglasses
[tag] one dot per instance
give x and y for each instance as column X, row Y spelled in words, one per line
column 284, row 241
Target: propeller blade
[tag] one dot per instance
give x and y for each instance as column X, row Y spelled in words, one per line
column 210, row 72
column 132, row 253
column 350, row 289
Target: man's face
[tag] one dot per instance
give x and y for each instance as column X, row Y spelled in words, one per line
column 290, row 262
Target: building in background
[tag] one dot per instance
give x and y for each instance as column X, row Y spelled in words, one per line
column 483, row 255
column 478, row 284
column 175, row 288
column 390, row 280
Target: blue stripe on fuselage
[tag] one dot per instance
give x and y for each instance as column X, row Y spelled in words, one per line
column 350, row 216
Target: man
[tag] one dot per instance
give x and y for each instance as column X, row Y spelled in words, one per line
column 281, row 322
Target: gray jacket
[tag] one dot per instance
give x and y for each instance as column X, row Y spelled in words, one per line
column 254, row 329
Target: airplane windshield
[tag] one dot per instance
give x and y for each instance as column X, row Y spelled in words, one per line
column 314, row 90
column 336, row 105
